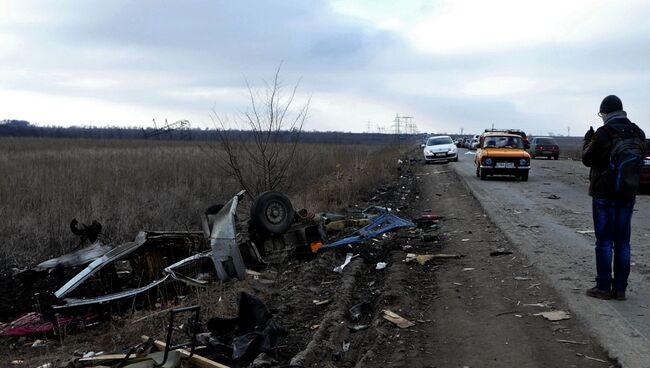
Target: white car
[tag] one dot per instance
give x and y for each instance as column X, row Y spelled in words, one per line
column 440, row 148
column 473, row 145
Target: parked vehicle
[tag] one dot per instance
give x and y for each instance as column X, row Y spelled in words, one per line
column 440, row 149
column 544, row 146
column 474, row 142
column 502, row 154
column 645, row 169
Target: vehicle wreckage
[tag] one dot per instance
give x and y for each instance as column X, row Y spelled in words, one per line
column 220, row 251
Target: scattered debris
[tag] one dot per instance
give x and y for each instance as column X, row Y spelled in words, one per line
column 357, row 311
column 357, row 328
column 345, row 346
column 553, row 196
column 348, row 258
column 591, row 358
column 521, row 278
column 429, row 237
column 424, row 258
column 38, row 343
column 500, row 252
column 585, row 231
column 540, row 305
column 556, row 315
column 446, row 256
column 410, row 257
column 504, row 313
column 571, row 342
column 380, row 265
column 322, row 302
column 396, row 319
column 469, row 269
column 427, row 219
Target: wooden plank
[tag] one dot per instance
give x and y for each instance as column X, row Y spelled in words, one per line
column 104, row 357
column 197, row 360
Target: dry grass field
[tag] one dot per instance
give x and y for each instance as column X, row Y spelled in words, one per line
column 132, row 185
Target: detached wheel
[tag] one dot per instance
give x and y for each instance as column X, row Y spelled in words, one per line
column 272, row 213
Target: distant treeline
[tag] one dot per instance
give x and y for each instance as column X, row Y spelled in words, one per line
column 22, row 128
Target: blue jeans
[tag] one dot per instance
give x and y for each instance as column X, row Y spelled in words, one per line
column 612, row 225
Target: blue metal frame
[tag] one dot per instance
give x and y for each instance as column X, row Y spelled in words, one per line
column 380, row 225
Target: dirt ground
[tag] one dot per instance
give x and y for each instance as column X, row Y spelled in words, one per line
column 474, row 311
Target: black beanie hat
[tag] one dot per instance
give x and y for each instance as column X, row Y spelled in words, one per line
column 611, row 103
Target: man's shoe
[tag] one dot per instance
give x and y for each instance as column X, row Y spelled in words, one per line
column 618, row 295
column 595, row 292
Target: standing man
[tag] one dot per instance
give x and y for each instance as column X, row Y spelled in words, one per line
column 614, row 152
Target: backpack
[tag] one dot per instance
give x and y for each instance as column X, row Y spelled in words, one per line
column 625, row 162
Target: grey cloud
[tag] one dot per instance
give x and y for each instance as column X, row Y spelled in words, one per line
column 154, row 47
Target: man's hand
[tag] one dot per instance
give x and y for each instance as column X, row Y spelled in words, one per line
column 589, row 134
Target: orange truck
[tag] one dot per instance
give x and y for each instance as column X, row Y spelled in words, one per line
column 502, row 154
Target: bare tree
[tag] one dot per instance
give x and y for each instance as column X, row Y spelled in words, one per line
column 260, row 149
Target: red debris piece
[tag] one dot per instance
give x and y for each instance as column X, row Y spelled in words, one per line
column 33, row 323
column 426, row 219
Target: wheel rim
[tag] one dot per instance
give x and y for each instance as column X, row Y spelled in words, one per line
column 275, row 212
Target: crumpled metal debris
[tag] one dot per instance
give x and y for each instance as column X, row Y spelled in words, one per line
column 379, row 226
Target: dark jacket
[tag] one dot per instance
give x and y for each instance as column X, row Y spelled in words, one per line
column 596, row 150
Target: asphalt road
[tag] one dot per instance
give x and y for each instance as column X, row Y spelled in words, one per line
column 544, row 217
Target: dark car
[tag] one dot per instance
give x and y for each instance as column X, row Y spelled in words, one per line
column 544, row 146
column 645, row 169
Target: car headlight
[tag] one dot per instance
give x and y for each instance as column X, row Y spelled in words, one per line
column 452, row 150
column 523, row 162
column 487, row 161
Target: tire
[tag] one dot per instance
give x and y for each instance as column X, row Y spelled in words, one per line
column 532, row 157
column 556, row 157
column 272, row 213
column 455, row 159
column 524, row 176
column 482, row 174
column 478, row 172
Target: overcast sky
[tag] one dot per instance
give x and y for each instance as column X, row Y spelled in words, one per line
column 543, row 66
